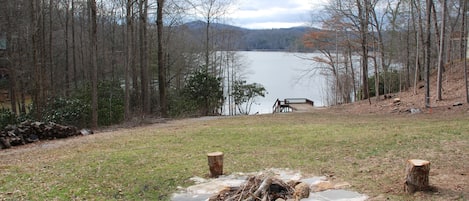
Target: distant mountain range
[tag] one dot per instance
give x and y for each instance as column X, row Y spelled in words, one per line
column 283, row 39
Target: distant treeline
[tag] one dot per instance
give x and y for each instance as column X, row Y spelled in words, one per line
column 282, row 39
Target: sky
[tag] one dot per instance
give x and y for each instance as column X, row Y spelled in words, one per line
column 268, row 14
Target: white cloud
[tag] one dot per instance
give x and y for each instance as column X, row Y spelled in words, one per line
column 258, row 14
column 272, row 25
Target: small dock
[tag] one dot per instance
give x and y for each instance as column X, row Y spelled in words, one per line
column 293, row 105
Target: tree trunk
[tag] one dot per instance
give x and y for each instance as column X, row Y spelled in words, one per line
column 11, row 68
column 23, row 99
column 207, row 43
column 428, row 54
column 135, row 67
column 435, row 23
column 52, row 86
column 408, row 64
column 417, row 41
column 161, row 64
column 114, row 54
column 352, row 72
column 37, row 92
column 94, row 64
column 103, row 60
column 144, row 73
column 82, row 47
column 382, row 54
column 441, row 54
column 215, row 163
column 465, row 69
column 129, row 45
column 417, row 175
column 420, row 62
column 74, row 56
column 466, row 53
column 42, row 52
column 364, row 17
column 462, row 46
column 377, row 77
column 67, row 63
column 376, row 68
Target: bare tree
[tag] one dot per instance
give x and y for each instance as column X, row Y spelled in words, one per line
column 143, row 43
column 67, row 55
column 334, row 59
column 344, row 31
column 129, row 57
column 441, row 51
column 50, row 59
column 420, row 47
column 74, row 53
column 161, row 64
column 6, row 21
column 428, row 52
column 211, row 11
column 463, row 24
column 94, row 64
column 363, row 14
column 38, row 94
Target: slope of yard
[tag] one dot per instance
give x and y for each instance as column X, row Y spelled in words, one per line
column 148, row 163
column 453, row 93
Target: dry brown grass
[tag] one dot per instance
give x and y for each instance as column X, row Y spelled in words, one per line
column 368, row 151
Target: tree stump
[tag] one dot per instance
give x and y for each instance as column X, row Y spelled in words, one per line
column 215, row 164
column 417, row 172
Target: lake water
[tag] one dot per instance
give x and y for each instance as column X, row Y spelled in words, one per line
column 279, row 73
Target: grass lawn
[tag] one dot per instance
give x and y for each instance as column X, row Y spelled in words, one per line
column 148, row 163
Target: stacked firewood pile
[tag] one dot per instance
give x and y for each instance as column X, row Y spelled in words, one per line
column 29, row 131
column 264, row 188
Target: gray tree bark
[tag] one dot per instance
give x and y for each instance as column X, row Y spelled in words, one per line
column 428, row 53
column 144, row 72
column 94, row 64
column 161, row 63
column 441, row 51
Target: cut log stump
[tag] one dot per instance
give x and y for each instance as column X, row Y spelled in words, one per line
column 417, row 172
column 215, row 164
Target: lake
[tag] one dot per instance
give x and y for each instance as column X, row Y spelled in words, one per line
column 279, row 73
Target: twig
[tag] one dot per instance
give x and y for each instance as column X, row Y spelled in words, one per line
column 264, row 186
